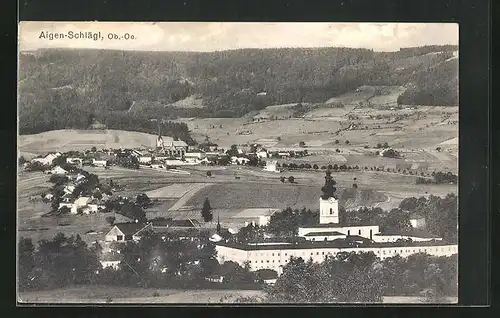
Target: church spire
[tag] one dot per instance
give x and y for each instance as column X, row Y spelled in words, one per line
column 218, row 224
column 329, row 189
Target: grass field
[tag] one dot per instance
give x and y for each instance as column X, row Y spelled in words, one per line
column 65, row 140
column 99, row 294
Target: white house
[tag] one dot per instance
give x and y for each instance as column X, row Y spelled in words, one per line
column 136, row 153
column 271, row 166
column 417, row 221
column 145, row 159
column 74, row 161
column 388, row 237
column 47, row 160
column 69, row 189
column 57, row 170
column 239, row 160
column 262, row 154
column 215, row 238
column 81, row 202
column 99, row 163
column 123, row 232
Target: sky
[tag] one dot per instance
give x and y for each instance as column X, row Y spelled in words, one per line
column 218, row 36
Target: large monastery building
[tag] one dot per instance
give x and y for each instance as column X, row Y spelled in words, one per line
column 330, row 237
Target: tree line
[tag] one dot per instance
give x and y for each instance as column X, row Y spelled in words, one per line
column 151, row 262
column 364, row 278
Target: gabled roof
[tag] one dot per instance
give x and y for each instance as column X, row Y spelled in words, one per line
column 130, row 228
column 414, row 233
column 324, row 233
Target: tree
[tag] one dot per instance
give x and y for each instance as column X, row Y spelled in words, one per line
column 93, row 149
column 206, row 211
column 347, row 142
column 385, row 145
column 291, row 179
column 143, row 201
column 336, row 141
column 26, row 263
column 22, row 161
column 354, row 185
column 315, row 166
column 209, row 174
column 233, row 151
column 302, row 144
column 58, row 179
column 282, row 179
column 110, row 220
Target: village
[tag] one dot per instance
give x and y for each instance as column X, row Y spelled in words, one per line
column 78, row 192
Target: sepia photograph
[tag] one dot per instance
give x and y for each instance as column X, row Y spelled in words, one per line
column 237, row 163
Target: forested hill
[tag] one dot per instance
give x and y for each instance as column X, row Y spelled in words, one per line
column 63, row 88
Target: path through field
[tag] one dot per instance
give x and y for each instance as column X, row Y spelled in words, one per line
column 188, row 195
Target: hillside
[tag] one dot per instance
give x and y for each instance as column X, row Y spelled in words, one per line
column 64, row 88
column 53, row 141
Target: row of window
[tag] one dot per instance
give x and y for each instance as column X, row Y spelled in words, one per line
column 383, row 252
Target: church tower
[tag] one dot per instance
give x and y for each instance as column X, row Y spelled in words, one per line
column 159, row 140
column 328, row 202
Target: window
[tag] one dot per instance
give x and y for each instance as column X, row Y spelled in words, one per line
column 322, row 253
column 312, row 253
column 255, row 261
column 317, row 253
column 313, row 239
column 272, row 254
column 278, row 254
column 262, row 261
column 119, row 237
column 273, row 260
column 331, row 211
column 359, row 232
column 268, row 261
column 285, row 254
column 348, row 232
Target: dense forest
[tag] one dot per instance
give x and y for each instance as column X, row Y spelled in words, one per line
column 64, row 88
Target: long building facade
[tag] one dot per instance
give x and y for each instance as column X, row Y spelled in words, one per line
column 277, row 255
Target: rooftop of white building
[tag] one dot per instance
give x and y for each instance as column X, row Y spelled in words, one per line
column 350, row 242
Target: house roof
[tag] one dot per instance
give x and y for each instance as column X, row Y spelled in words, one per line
column 338, row 243
column 176, row 223
column 266, row 274
column 338, row 225
column 414, row 233
column 82, row 200
column 324, row 233
column 130, row 228
column 111, row 257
